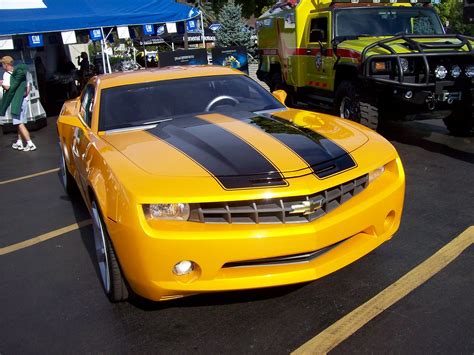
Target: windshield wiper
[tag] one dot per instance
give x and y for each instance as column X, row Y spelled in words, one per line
column 154, row 122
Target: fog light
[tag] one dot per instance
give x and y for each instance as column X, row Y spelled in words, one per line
column 470, row 71
column 409, row 95
column 375, row 174
column 183, row 268
column 455, row 71
column 441, row 72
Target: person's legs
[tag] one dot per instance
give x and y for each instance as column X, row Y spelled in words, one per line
column 22, row 128
column 19, row 143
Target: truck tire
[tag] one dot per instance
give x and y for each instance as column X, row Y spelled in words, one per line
column 460, row 122
column 349, row 105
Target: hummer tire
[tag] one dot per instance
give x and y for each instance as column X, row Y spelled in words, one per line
column 349, row 105
column 460, row 122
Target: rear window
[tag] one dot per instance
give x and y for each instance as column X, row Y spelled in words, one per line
column 145, row 103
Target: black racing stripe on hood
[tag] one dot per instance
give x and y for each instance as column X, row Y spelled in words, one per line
column 323, row 156
column 233, row 162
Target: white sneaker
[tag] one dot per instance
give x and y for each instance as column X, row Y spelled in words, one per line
column 17, row 146
column 29, row 147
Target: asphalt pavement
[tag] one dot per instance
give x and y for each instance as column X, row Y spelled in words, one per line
column 51, row 300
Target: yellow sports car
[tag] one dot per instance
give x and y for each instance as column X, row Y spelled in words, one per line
column 199, row 180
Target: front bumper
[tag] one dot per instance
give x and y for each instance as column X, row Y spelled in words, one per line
column 148, row 254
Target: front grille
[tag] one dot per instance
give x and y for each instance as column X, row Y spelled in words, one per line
column 283, row 260
column 298, row 209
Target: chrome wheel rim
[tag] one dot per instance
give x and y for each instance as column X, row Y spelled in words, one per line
column 101, row 249
column 345, row 108
column 63, row 170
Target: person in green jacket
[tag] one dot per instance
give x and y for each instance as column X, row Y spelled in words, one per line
column 16, row 92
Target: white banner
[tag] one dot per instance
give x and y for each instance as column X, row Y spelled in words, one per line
column 123, row 32
column 69, row 37
column 6, row 42
column 21, row 4
column 171, row 27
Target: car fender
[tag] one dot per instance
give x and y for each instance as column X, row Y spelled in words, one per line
column 102, row 183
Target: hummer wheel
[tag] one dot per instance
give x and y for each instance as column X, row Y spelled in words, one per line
column 460, row 122
column 349, row 105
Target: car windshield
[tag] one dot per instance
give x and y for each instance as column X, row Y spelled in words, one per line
column 149, row 103
column 386, row 22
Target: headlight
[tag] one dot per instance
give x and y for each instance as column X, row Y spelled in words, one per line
column 375, row 174
column 441, row 72
column 470, row 71
column 404, row 64
column 455, row 71
column 167, row 211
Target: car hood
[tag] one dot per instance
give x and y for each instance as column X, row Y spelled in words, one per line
column 243, row 149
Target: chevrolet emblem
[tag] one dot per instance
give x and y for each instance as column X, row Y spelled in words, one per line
column 306, row 207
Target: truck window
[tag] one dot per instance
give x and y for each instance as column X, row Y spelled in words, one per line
column 321, row 24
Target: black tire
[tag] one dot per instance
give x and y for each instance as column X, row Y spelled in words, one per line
column 276, row 83
column 113, row 282
column 460, row 122
column 349, row 105
column 67, row 179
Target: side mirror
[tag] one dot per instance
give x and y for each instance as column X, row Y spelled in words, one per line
column 317, row 35
column 71, row 121
column 280, row 95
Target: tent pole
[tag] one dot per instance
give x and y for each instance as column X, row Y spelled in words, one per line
column 105, row 47
column 104, row 68
column 144, row 52
column 202, row 30
column 186, row 45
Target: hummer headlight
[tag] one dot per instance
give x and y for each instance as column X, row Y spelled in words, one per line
column 404, row 64
column 441, row 72
column 470, row 71
column 455, row 71
column 375, row 174
column 167, row 211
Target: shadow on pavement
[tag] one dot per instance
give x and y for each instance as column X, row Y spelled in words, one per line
column 419, row 133
column 215, row 299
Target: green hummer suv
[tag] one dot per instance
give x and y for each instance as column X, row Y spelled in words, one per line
column 370, row 60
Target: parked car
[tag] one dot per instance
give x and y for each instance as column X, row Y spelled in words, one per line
column 199, row 180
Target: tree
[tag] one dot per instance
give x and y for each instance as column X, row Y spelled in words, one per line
column 450, row 12
column 233, row 31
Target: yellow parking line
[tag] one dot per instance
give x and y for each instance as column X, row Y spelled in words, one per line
column 44, row 237
column 335, row 334
column 29, row 176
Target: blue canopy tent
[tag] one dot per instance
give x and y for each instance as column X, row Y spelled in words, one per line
column 19, row 17
column 38, row 16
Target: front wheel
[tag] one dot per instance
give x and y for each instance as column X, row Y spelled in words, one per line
column 460, row 122
column 107, row 262
column 66, row 177
column 350, row 105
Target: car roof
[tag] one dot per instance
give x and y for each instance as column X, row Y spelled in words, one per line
column 158, row 74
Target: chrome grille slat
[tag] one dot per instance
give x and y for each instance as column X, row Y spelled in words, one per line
column 277, row 211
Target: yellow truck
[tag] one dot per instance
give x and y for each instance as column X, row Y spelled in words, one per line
column 370, row 60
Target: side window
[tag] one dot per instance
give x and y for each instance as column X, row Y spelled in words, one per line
column 319, row 30
column 87, row 102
